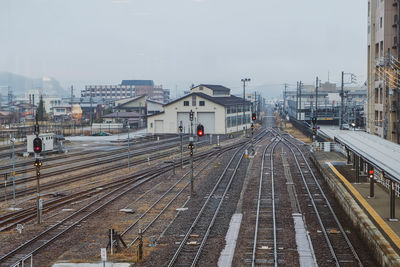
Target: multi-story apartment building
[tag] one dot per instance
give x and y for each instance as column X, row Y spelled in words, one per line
column 109, row 91
column 127, row 89
column 382, row 116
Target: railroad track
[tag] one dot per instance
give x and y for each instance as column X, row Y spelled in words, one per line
column 187, row 255
column 28, row 166
column 84, row 165
column 264, row 238
column 51, row 234
column 339, row 246
column 161, row 204
column 32, row 246
column 10, row 220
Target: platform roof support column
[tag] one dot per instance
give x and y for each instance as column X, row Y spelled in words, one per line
column 371, row 182
column 362, row 166
column 392, row 201
column 357, row 163
column 348, row 156
column 354, row 161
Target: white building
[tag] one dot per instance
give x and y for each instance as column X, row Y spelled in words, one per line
column 213, row 106
column 47, row 142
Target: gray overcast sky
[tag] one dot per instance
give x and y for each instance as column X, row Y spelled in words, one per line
column 179, row 42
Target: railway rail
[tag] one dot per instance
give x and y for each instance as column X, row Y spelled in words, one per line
column 51, row 234
column 341, row 250
column 186, row 255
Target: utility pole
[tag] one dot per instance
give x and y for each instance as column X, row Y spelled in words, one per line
column 300, row 85
column 91, row 115
column 244, row 102
column 72, row 96
column 284, row 99
column 297, row 101
column 341, row 102
column 316, row 97
column 353, row 80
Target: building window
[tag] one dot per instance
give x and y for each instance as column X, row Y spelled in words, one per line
column 186, row 103
column 202, row 103
column 193, row 100
column 380, row 23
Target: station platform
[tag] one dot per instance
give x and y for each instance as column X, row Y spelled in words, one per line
column 368, row 215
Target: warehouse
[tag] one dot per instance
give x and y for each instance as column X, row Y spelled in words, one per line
column 213, row 106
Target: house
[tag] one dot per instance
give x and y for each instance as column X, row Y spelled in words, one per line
column 213, row 106
column 131, row 119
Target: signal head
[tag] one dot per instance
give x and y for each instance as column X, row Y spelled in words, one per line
column 253, row 116
column 37, row 145
column 200, row 130
column 314, row 120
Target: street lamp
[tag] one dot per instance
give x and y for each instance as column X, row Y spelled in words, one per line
column 244, row 80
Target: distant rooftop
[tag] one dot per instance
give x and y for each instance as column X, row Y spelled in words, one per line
column 213, row 87
column 138, row 82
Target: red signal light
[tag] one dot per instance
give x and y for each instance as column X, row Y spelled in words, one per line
column 200, row 130
column 371, row 172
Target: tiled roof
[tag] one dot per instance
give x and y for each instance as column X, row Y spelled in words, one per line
column 214, row 87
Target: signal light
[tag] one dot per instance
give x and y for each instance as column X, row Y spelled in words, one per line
column 37, row 145
column 371, row 173
column 38, row 163
column 314, row 120
column 191, row 146
column 200, row 130
column 253, row 116
column 191, row 113
column 180, row 128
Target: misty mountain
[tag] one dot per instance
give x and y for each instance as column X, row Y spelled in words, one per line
column 22, row 84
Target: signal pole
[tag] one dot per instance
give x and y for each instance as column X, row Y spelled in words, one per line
column 38, row 163
column 13, row 168
column 180, row 128
column 191, row 147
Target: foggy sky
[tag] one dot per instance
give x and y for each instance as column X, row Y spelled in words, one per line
column 180, row 42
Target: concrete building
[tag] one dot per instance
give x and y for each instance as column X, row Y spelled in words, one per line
column 127, row 89
column 213, row 106
column 383, row 104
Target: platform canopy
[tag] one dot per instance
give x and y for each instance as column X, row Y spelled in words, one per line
column 381, row 153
